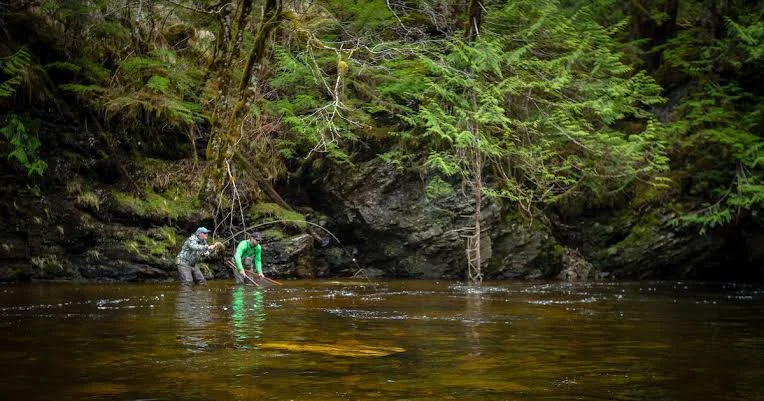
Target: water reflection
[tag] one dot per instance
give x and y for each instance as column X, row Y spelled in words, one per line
column 193, row 315
column 472, row 319
column 248, row 316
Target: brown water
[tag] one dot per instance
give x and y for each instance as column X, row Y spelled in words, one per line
column 308, row 340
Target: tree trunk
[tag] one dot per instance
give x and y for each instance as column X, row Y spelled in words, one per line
column 231, row 110
column 474, row 258
column 644, row 26
column 474, row 18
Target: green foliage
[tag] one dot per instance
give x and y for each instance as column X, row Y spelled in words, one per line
column 160, row 87
column 318, row 119
column 158, row 84
column 82, row 90
column 362, row 16
column 716, row 127
column 541, row 104
column 397, row 158
column 48, row 263
column 437, row 188
column 402, row 79
column 14, row 67
column 93, row 72
column 135, row 106
column 88, row 199
column 74, row 186
column 265, row 211
column 63, row 66
column 164, row 206
column 24, row 143
column 162, row 243
column 749, row 38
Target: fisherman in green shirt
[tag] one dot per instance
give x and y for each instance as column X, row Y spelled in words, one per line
column 248, row 252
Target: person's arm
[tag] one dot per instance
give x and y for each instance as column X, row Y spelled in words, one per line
column 237, row 257
column 258, row 263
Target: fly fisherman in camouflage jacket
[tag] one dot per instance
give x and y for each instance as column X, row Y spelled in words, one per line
column 193, row 249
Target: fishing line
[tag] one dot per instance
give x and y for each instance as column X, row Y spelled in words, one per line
column 360, row 269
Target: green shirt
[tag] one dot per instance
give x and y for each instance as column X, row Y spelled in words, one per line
column 244, row 250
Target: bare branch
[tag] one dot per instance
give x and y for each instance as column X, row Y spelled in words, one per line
column 199, row 10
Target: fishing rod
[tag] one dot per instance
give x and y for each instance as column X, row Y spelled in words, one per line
column 360, row 269
column 232, row 266
column 272, row 280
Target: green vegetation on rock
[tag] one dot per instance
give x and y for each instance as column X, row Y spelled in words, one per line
column 168, row 206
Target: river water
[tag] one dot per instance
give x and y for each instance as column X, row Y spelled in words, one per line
column 395, row 340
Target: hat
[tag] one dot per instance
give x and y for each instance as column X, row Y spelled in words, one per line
column 256, row 235
column 202, row 230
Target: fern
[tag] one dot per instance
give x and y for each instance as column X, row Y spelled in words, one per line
column 158, row 84
column 63, row 66
column 79, row 89
column 14, row 66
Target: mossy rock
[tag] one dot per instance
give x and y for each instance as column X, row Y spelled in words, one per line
column 178, row 33
column 52, row 266
column 160, row 243
column 273, row 211
column 167, row 206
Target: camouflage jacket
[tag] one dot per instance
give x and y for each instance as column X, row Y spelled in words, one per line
column 193, row 249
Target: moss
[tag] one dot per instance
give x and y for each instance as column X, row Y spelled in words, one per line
column 170, row 205
column 160, row 242
column 134, row 247
column 83, row 196
column 178, row 33
column 47, row 263
column 88, row 199
column 659, row 191
column 639, row 236
column 556, row 251
column 266, row 211
column 168, row 235
column 273, row 234
column 74, row 187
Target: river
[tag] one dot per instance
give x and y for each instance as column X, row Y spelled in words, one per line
column 394, row 340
